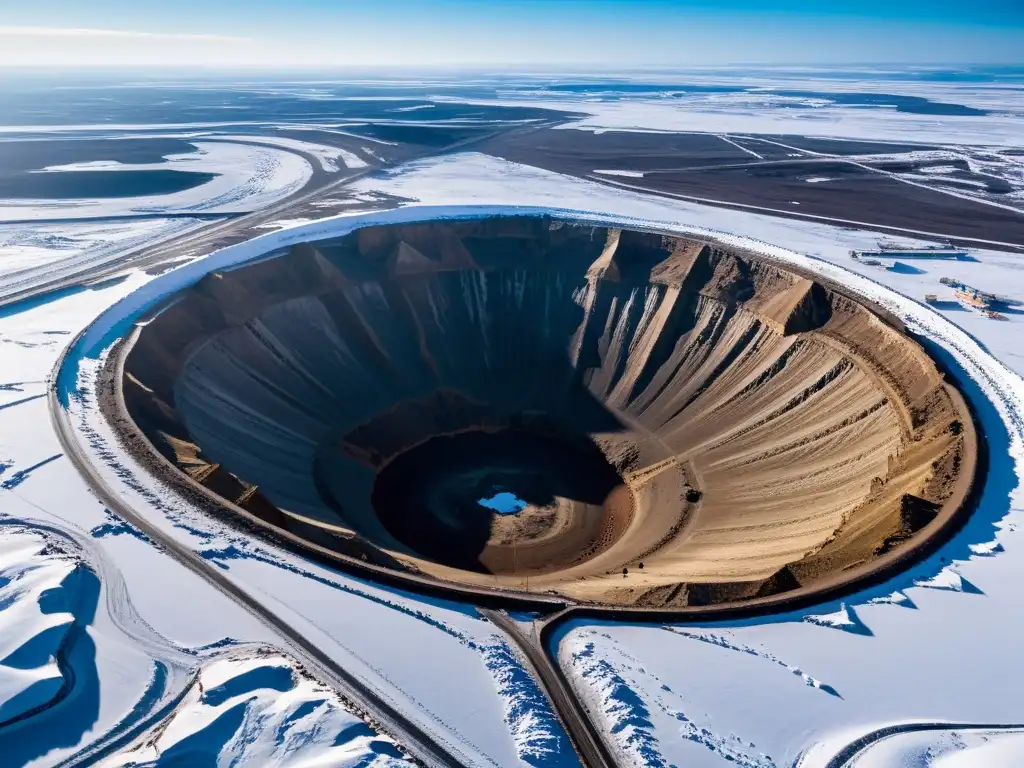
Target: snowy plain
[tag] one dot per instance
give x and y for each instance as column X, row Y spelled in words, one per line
column 327, row 156
column 245, row 177
column 807, row 105
column 749, row 103
column 30, row 253
column 41, row 238
column 947, row 749
column 24, row 248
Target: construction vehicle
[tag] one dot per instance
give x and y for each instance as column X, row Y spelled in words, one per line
column 973, row 298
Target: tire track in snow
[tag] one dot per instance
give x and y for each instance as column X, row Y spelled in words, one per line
column 722, row 641
column 613, row 690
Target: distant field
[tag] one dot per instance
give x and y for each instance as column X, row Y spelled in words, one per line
column 753, row 172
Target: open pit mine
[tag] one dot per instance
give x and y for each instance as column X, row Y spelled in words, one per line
column 678, row 424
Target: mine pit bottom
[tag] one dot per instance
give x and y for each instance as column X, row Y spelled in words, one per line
column 507, row 502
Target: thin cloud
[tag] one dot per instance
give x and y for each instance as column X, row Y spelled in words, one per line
column 110, row 33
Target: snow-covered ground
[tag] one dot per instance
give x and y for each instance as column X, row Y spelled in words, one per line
column 765, row 114
column 987, row 143
column 940, row 642
column 28, row 247
column 41, row 591
column 259, row 710
column 246, row 177
column 82, row 669
column 33, row 252
column 983, row 748
column 758, row 109
column 40, row 239
column 246, row 704
column 328, row 156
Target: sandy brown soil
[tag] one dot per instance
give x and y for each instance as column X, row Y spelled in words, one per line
column 714, row 425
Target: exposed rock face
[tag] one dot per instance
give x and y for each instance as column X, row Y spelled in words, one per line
column 739, row 429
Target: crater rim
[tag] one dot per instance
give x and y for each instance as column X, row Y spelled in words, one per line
column 916, row 547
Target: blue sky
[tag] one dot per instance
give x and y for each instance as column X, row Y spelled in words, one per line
column 613, row 33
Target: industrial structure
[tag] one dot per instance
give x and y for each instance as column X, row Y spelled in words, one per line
column 888, row 249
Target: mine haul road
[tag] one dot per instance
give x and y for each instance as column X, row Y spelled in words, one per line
column 421, row 745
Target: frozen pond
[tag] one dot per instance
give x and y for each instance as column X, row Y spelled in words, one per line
column 504, row 503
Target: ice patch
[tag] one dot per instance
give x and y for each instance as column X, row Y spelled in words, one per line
column 627, row 174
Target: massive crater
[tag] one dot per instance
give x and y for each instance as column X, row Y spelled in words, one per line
column 677, row 423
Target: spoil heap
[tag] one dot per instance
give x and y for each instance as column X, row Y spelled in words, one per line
column 717, row 426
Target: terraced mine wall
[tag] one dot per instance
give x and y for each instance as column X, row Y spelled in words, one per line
column 685, row 425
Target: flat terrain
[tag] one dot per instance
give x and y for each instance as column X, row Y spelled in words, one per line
column 788, row 180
